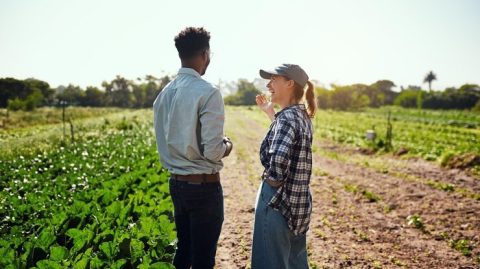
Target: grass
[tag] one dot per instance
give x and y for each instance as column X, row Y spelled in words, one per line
column 50, row 115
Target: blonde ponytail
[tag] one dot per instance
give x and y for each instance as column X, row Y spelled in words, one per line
column 299, row 93
column 310, row 99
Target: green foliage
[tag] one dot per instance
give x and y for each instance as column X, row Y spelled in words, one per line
column 429, row 134
column 351, row 188
column 53, row 115
column 464, row 97
column 90, row 204
column 371, row 197
column 429, row 78
column 380, row 93
column 120, row 92
column 245, row 94
column 29, row 104
column 33, row 100
column 463, row 246
column 11, row 89
column 416, row 221
column 16, row 104
column 446, row 157
column 93, row 97
column 71, row 94
column 441, row 186
column 356, row 96
column 408, row 98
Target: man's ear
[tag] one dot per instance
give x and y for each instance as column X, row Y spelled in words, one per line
column 205, row 54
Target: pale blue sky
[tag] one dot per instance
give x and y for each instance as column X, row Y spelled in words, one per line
column 343, row 42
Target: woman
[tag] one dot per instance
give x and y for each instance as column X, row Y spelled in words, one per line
column 284, row 204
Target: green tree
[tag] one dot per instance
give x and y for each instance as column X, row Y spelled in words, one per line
column 72, row 94
column 11, row 88
column 154, row 87
column 93, row 97
column 407, row 98
column 15, row 104
column 48, row 94
column 476, row 108
column 34, row 100
column 119, row 92
column 323, row 97
column 341, row 97
column 420, row 97
column 245, row 94
column 429, row 78
column 382, row 93
column 140, row 95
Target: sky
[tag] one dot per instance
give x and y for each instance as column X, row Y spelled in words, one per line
column 342, row 42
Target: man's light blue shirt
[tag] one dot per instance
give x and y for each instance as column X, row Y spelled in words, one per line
column 188, row 119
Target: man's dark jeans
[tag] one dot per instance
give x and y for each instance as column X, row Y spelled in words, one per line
column 198, row 211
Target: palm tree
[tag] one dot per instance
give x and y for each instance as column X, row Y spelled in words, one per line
column 429, row 78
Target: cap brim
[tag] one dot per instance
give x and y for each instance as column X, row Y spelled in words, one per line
column 267, row 74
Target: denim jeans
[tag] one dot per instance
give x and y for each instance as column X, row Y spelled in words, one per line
column 274, row 245
column 198, row 212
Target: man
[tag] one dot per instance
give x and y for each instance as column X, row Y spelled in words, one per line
column 188, row 121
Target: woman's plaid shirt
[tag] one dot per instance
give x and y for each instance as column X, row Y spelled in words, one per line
column 286, row 154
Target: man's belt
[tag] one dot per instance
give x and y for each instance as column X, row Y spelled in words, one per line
column 198, row 178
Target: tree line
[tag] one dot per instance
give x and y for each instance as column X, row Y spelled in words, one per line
column 31, row 93
column 120, row 92
column 380, row 93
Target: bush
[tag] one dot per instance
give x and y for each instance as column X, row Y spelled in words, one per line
column 408, row 98
column 476, row 108
column 15, row 104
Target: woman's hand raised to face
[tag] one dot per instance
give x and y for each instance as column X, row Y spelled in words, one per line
column 265, row 106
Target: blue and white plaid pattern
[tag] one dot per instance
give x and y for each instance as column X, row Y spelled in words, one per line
column 286, row 155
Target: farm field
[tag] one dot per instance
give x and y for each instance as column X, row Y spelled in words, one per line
column 103, row 201
column 370, row 210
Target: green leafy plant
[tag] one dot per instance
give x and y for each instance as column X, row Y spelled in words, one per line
column 416, row 221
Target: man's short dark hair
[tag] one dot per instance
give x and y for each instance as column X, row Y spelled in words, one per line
column 192, row 41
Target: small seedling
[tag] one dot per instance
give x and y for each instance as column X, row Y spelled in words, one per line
column 416, row 221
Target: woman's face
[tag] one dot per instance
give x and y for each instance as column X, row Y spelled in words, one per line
column 280, row 89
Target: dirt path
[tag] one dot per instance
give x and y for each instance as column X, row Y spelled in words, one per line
column 361, row 205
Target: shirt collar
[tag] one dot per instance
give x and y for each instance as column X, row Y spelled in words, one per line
column 188, row 71
column 296, row 106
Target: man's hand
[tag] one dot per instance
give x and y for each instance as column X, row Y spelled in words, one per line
column 229, row 144
column 265, row 106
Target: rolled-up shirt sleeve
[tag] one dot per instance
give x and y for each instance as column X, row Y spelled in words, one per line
column 280, row 150
column 212, row 116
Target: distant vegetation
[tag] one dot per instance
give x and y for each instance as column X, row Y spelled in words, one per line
column 245, row 95
column 120, row 92
column 356, row 96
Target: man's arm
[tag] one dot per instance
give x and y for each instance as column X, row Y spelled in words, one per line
column 212, row 117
